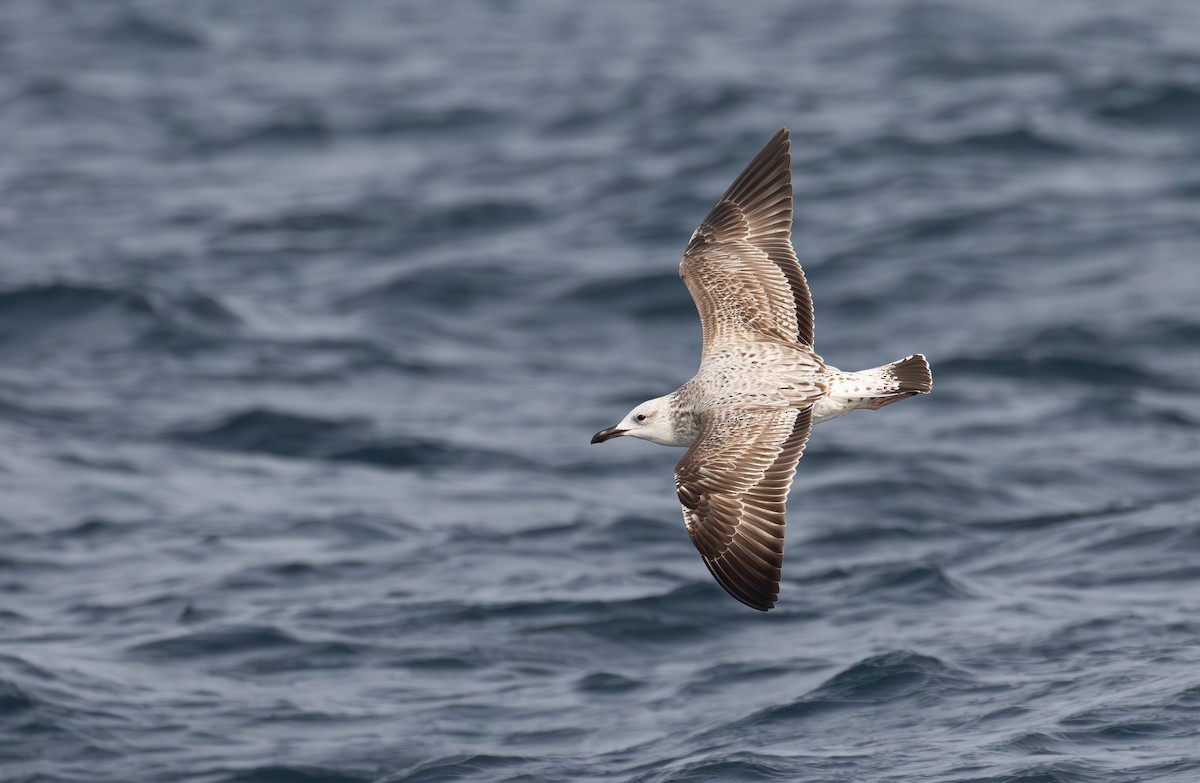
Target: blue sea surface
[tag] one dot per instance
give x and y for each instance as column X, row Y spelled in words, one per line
column 308, row 311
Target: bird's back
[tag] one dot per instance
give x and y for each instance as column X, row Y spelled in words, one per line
column 757, row 374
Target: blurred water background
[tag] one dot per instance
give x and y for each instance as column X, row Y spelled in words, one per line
column 308, row 310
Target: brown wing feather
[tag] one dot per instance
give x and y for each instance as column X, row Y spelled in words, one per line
column 740, row 266
column 733, row 484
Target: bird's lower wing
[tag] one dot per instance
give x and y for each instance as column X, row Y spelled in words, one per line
column 733, row 483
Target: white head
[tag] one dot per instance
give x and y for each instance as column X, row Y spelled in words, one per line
column 650, row 421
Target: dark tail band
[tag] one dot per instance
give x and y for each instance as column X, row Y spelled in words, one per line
column 912, row 374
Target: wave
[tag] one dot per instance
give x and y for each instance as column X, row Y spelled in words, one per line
column 455, row 286
column 894, row 675
column 282, row 773
column 27, row 412
column 95, row 527
column 293, row 573
column 1110, row 372
column 1055, row 771
column 378, row 224
column 90, row 320
column 251, row 650
column 136, row 28
column 607, row 683
column 1046, row 520
column 672, row 613
column 317, row 360
column 265, row 431
column 222, row 641
column 297, row 122
column 13, row 699
column 458, row 766
column 1164, row 106
column 411, row 452
column 644, row 297
column 398, row 215
column 913, row 584
column 879, row 679
column 1167, row 330
column 1019, row 140
column 88, row 314
column 722, row 676
column 742, row 766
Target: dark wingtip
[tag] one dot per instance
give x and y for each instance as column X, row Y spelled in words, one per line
column 755, row 604
column 759, row 600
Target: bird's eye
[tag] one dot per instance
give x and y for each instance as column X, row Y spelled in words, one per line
column 641, row 417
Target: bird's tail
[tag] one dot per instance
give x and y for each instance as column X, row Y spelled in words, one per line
column 898, row 380
column 910, row 374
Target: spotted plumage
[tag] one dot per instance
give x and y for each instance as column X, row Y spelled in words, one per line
column 747, row 413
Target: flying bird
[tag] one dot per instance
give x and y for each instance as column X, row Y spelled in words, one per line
column 746, row 414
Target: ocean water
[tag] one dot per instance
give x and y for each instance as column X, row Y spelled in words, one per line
column 309, row 309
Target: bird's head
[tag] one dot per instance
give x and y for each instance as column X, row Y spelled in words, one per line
column 650, row 421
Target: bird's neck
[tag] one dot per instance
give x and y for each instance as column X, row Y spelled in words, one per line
column 685, row 424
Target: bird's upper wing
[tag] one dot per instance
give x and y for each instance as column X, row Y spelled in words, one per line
column 740, row 266
column 733, row 483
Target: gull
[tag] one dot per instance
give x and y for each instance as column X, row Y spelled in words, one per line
column 746, row 414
